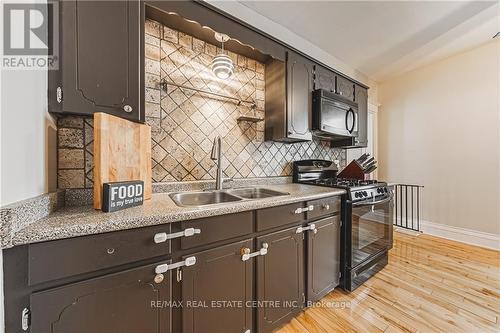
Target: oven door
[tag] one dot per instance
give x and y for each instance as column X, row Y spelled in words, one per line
column 371, row 231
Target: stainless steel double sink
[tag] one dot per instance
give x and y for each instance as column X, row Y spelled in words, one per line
column 204, row 198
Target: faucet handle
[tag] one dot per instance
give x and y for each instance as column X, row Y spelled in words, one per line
column 214, row 152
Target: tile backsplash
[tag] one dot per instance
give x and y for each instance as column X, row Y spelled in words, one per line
column 184, row 122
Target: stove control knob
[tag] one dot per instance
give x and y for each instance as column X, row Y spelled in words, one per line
column 357, row 194
column 385, row 189
column 365, row 193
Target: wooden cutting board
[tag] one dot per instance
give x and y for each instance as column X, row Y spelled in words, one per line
column 122, row 152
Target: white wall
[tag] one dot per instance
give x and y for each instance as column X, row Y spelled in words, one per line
column 439, row 127
column 27, row 133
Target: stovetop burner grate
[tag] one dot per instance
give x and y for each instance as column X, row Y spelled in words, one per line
column 343, row 182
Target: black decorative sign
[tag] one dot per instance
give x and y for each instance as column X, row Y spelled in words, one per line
column 121, row 195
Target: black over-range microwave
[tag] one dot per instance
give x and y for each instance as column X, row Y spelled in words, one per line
column 334, row 116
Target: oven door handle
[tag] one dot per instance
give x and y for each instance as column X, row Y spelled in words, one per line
column 370, row 203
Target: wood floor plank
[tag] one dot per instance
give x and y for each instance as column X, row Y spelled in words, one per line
column 430, row 285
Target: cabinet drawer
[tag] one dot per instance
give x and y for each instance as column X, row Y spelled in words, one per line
column 323, row 207
column 277, row 216
column 63, row 258
column 217, row 228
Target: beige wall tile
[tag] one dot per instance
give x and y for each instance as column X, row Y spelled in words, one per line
column 70, row 159
column 70, row 179
column 182, row 138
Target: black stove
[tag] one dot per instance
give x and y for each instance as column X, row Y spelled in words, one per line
column 324, row 173
column 367, row 218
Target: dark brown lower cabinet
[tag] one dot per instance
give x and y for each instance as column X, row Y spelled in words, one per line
column 280, row 279
column 128, row 301
column 216, row 291
column 323, row 253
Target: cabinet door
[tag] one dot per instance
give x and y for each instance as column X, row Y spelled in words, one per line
column 129, row 301
column 100, row 46
column 361, row 97
column 219, row 288
column 299, row 97
column 324, row 79
column 345, row 88
column 323, row 258
column 280, row 278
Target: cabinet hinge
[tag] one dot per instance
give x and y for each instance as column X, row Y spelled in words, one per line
column 303, row 298
column 59, row 94
column 340, row 275
column 25, row 319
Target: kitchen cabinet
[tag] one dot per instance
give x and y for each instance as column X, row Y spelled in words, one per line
column 128, row 301
column 269, row 257
column 361, row 97
column 221, row 276
column 101, row 59
column 280, row 278
column 289, row 99
column 345, row 87
column 324, row 79
column 299, row 96
column 323, row 258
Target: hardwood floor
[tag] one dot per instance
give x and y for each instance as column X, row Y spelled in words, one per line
column 430, row 285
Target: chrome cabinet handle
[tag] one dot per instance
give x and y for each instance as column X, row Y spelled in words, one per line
column 245, row 252
column 311, row 227
column 163, row 236
column 326, row 206
column 299, row 210
column 127, row 108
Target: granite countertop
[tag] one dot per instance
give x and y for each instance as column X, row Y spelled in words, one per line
column 84, row 220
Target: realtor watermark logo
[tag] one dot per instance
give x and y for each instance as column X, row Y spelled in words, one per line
column 30, row 36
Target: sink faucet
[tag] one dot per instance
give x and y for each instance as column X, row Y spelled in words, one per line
column 216, row 156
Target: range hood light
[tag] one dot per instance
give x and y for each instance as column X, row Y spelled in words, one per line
column 222, row 65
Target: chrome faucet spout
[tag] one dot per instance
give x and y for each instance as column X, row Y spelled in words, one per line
column 216, row 155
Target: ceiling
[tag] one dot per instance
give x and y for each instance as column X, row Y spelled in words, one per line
column 384, row 38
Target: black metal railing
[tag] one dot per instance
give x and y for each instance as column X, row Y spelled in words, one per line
column 407, row 206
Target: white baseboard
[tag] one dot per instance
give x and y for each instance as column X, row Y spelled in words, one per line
column 469, row 236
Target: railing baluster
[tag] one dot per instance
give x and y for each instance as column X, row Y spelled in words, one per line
column 411, row 210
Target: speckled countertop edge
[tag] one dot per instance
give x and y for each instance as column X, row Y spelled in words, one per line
column 84, row 220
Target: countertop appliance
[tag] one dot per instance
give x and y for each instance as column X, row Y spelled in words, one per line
column 333, row 116
column 367, row 218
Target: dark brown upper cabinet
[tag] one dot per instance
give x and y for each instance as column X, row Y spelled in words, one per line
column 323, row 253
column 324, row 79
column 361, row 97
column 345, row 87
column 280, row 278
column 219, row 275
column 288, row 99
column 128, row 301
column 101, row 59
